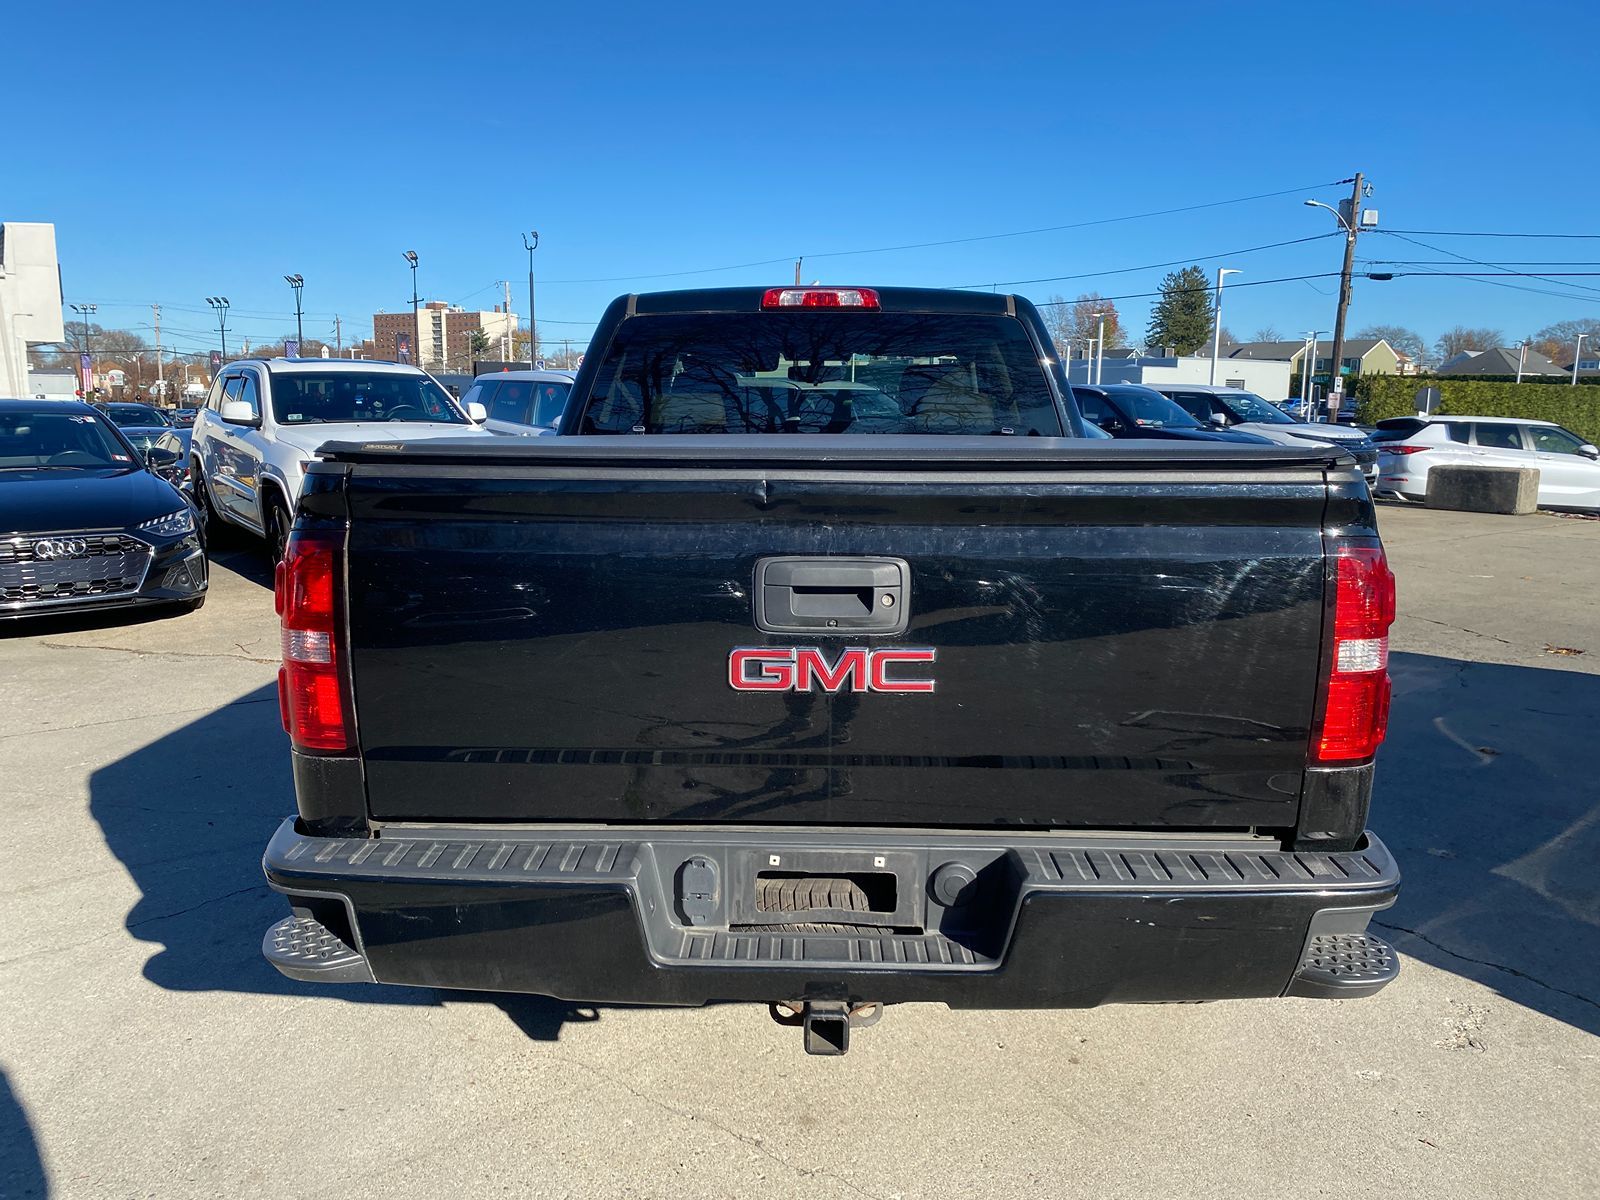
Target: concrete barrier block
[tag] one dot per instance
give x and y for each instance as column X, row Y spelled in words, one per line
column 1510, row 490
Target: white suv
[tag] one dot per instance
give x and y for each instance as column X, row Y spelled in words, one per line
column 1409, row 447
column 264, row 420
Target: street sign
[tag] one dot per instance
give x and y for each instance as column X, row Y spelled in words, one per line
column 1428, row 400
column 216, row 362
column 291, row 349
column 86, row 365
column 538, row 364
column 402, row 347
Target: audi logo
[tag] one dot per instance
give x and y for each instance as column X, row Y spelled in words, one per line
column 60, row 548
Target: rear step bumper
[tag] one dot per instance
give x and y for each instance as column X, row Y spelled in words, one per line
column 970, row 920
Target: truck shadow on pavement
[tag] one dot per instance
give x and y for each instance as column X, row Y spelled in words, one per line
column 1488, row 797
column 21, row 1169
column 188, row 817
column 1485, row 794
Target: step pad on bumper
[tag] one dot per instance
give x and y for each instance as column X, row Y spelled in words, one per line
column 1344, row 966
column 304, row 948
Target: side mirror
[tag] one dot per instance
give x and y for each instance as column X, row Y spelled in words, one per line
column 1219, row 419
column 240, row 412
column 1588, row 450
column 477, row 412
column 161, row 459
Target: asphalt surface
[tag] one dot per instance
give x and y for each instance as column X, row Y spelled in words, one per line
column 147, row 1050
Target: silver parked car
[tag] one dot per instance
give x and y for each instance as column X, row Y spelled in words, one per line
column 1409, row 447
column 522, row 403
column 1246, row 412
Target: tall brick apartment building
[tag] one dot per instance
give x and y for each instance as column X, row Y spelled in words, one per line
column 440, row 338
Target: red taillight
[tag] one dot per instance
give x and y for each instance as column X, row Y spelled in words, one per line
column 311, row 693
column 1356, row 708
column 820, row 298
column 1403, row 449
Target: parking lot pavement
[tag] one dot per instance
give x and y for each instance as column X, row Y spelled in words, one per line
column 148, row 1050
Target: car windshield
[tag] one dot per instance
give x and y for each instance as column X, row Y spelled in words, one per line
column 821, row 372
column 313, row 397
column 1247, row 406
column 31, row 439
column 1150, row 409
column 136, row 414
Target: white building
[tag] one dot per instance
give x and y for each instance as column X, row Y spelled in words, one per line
column 30, row 299
column 1266, row 378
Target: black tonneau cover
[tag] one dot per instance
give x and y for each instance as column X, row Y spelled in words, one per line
column 844, row 451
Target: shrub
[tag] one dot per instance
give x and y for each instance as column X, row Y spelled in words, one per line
column 1577, row 408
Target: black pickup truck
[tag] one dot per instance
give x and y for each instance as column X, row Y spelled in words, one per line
column 824, row 662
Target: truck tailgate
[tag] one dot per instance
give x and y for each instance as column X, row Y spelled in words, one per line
column 1123, row 635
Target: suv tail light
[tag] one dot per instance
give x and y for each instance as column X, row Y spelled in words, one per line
column 820, row 298
column 1385, row 449
column 307, row 591
column 1355, row 709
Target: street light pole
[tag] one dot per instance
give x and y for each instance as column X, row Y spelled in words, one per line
column 1522, row 357
column 1216, row 336
column 1100, row 349
column 530, row 243
column 83, row 310
column 297, row 282
column 1577, row 353
column 220, row 304
column 416, row 321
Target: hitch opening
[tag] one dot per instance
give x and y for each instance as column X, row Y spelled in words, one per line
column 825, row 1024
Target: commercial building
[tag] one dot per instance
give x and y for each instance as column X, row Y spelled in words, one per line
column 30, row 299
column 1268, row 378
column 439, row 337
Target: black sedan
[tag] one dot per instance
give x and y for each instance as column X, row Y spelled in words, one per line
column 85, row 521
column 1128, row 410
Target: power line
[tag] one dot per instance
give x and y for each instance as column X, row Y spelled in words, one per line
column 1177, row 262
column 987, row 237
column 1186, row 290
column 1480, row 262
column 1456, row 233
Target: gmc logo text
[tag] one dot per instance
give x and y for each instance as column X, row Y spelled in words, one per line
column 802, row 668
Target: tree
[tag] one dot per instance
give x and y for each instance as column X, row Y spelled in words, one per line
column 1182, row 318
column 1266, row 334
column 1407, row 341
column 1227, row 338
column 1057, row 314
column 1557, row 342
column 1453, row 341
column 1083, row 320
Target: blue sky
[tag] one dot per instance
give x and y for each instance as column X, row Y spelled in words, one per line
column 185, row 151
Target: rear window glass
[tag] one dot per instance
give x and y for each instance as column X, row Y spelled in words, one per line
column 821, row 372
column 1397, row 429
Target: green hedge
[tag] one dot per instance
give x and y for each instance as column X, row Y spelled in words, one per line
column 1577, row 408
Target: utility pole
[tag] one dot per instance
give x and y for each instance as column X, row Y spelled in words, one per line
column 415, row 354
column 533, row 330
column 338, row 338
column 505, row 326
column 1351, row 224
column 797, row 263
column 161, row 383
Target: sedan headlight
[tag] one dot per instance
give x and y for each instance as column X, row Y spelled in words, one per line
column 171, row 525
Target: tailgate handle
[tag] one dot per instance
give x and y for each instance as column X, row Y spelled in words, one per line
column 823, row 595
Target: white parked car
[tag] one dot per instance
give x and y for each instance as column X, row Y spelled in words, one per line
column 264, row 419
column 522, row 403
column 1409, row 447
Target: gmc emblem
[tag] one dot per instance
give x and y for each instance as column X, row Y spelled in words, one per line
column 801, row 668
